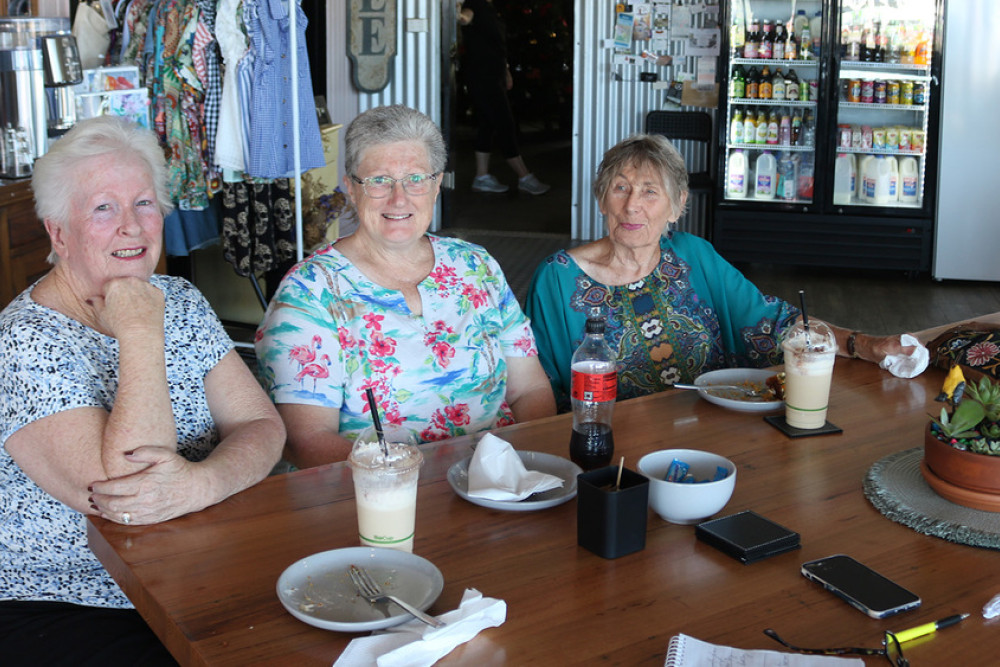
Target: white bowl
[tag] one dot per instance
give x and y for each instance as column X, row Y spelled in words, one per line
column 682, row 503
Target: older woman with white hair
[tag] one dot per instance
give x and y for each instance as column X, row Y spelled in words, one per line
column 674, row 307
column 428, row 323
column 121, row 397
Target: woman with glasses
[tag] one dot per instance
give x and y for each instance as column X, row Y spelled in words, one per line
column 428, row 323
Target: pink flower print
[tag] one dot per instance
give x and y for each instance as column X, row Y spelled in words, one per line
column 443, row 275
column 379, row 366
column 458, row 414
column 347, row 341
column 381, row 346
column 305, row 354
column 475, row 295
column 441, row 326
column 439, row 420
column 980, row 353
column 444, row 353
column 431, row 436
column 258, row 335
column 373, row 321
column 392, row 416
column 315, row 371
column 506, row 415
column 526, row 344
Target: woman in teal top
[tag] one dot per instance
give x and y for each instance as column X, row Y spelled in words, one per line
column 674, row 307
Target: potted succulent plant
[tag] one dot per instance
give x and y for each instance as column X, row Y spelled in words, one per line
column 962, row 447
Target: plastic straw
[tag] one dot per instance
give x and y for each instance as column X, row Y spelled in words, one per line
column 377, row 422
column 621, row 466
column 805, row 315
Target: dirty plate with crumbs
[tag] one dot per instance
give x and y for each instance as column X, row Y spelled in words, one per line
column 317, row 589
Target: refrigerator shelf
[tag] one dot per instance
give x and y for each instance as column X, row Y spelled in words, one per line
column 847, row 65
column 771, row 61
column 896, row 204
column 884, row 107
column 772, row 147
column 875, row 151
column 756, row 101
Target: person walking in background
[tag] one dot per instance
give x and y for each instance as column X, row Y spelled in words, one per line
column 488, row 78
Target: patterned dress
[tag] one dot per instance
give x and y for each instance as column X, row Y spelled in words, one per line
column 694, row 313
column 53, row 363
column 330, row 333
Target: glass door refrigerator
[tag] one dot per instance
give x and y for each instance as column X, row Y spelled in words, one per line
column 827, row 116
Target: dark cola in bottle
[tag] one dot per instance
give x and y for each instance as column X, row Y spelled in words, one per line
column 594, row 390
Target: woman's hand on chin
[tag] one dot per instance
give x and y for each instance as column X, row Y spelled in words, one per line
column 170, row 486
column 127, row 305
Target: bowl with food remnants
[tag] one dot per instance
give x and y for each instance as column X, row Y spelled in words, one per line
column 687, row 486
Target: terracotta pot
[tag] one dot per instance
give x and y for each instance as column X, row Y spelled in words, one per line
column 976, row 472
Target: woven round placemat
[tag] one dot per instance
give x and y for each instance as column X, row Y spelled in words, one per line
column 896, row 488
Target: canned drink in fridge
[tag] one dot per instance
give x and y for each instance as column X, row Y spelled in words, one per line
column 804, row 90
column 906, row 92
column 917, row 140
column 880, row 92
column 814, row 91
column 919, row 93
column 867, row 91
column 854, row 90
column 866, row 136
column 844, row 136
column 878, row 138
column 905, row 134
column 891, row 138
column 892, row 93
column 855, row 136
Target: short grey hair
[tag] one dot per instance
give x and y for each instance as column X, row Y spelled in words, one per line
column 645, row 150
column 391, row 124
column 53, row 182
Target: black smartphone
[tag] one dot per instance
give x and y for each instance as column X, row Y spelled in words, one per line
column 860, row 586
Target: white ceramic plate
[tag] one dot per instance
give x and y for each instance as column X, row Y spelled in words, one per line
column 317, row 589
column 458, row 477
column 736, row 376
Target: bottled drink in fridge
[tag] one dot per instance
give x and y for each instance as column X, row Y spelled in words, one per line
column 736, row 127
column 785, row 130
column 791, row 85
column 750, row 46
column 780, row 36
column 765, row 89
column 753, row 83
column 593, row 392
column 737, row 88
column 778, row 85
column 750, row 126
column 766, row 48
column 760, row 136
column 787, row 177
column 736, row 178
column 772, row 127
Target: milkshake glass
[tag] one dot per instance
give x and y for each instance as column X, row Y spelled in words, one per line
column 385, row 489
column 809, row 357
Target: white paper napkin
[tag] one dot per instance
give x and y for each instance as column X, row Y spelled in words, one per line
column 496, row 472
column 416, row 644
column 907, row 365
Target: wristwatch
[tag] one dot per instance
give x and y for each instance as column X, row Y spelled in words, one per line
column 850, row 345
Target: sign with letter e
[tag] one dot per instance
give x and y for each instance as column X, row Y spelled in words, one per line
column 371, row 42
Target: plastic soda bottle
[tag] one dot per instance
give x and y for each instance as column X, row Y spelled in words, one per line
column 594, row 380
column 736, row 128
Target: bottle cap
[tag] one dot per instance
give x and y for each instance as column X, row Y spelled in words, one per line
column 595, row 325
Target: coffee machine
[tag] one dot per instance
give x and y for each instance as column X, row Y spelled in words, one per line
column 39, row 64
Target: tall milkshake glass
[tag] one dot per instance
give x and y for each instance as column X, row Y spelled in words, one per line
column 385, row 489
column 809, row 356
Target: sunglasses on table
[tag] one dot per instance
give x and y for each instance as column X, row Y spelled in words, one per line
column 891, row 649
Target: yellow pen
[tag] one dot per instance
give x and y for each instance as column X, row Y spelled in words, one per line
column 928, row 628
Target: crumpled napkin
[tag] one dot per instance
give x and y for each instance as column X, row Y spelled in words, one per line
column 907, row 365
column 416, row 644
column 496, row 472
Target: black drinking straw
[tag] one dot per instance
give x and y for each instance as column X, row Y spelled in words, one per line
column 376, row 421
column 805, row 316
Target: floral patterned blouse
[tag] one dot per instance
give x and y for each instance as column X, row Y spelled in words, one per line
column 330, row 333
column 694, row 313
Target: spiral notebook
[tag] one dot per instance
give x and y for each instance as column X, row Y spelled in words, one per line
column 685, row 651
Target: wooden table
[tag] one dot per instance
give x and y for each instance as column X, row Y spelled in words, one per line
column 206, row 582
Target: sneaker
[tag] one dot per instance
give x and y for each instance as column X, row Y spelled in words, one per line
column 532, row 185
column 486, row 183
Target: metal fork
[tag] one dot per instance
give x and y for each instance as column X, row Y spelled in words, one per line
column 369, row 590
column 752, row 393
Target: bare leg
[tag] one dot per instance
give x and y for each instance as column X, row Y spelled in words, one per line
column 482, row 163
column 517, row 164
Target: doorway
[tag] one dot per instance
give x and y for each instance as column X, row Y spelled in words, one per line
column 539, row 38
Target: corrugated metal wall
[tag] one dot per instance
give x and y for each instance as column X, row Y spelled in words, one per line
column 606, row 110
column 416, row 73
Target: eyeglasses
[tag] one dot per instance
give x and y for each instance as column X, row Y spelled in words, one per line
column 890, row 649
column 379, row 187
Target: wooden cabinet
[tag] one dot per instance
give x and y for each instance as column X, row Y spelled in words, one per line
column 24, row 245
